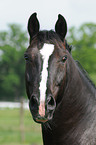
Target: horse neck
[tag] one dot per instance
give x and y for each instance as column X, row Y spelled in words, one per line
column 75, row 106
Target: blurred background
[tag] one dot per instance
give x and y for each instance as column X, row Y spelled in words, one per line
column 16, row 124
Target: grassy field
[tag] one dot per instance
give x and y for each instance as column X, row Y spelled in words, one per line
column 10, row 128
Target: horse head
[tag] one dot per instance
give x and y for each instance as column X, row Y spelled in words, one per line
column 45, row 73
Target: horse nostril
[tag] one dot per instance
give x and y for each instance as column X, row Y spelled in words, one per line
column 51, row 104
column 33, row 101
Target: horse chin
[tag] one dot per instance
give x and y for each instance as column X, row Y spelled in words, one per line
column 41, row 120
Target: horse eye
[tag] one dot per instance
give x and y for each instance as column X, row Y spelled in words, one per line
column 64, row 58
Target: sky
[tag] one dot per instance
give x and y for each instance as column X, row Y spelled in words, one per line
column 76, row 12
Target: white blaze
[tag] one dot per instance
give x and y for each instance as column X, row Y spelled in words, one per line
column 46, row 52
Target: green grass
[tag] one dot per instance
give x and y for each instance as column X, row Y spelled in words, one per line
column 10, row 133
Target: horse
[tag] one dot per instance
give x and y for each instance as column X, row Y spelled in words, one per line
column 61, row 96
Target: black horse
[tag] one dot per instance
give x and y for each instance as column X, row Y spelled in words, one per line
column 61, row 96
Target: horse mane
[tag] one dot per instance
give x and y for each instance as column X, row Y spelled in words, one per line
column 68, row 47
column 51, row 37
column 45, row 35
column 83, row 71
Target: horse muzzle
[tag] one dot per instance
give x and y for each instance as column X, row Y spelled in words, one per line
column 42, row 111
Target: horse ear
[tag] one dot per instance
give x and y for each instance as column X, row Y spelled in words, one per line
column 61, row 27
column 33, row 25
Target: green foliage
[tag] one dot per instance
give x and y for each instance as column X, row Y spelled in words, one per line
column 13, row 44
column 84, row 47
column 12, row 64
column 10, row 128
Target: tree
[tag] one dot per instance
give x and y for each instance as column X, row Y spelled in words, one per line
column 84, row 47
column 13, row 44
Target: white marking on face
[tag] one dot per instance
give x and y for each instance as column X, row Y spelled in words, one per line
column 46, row 52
